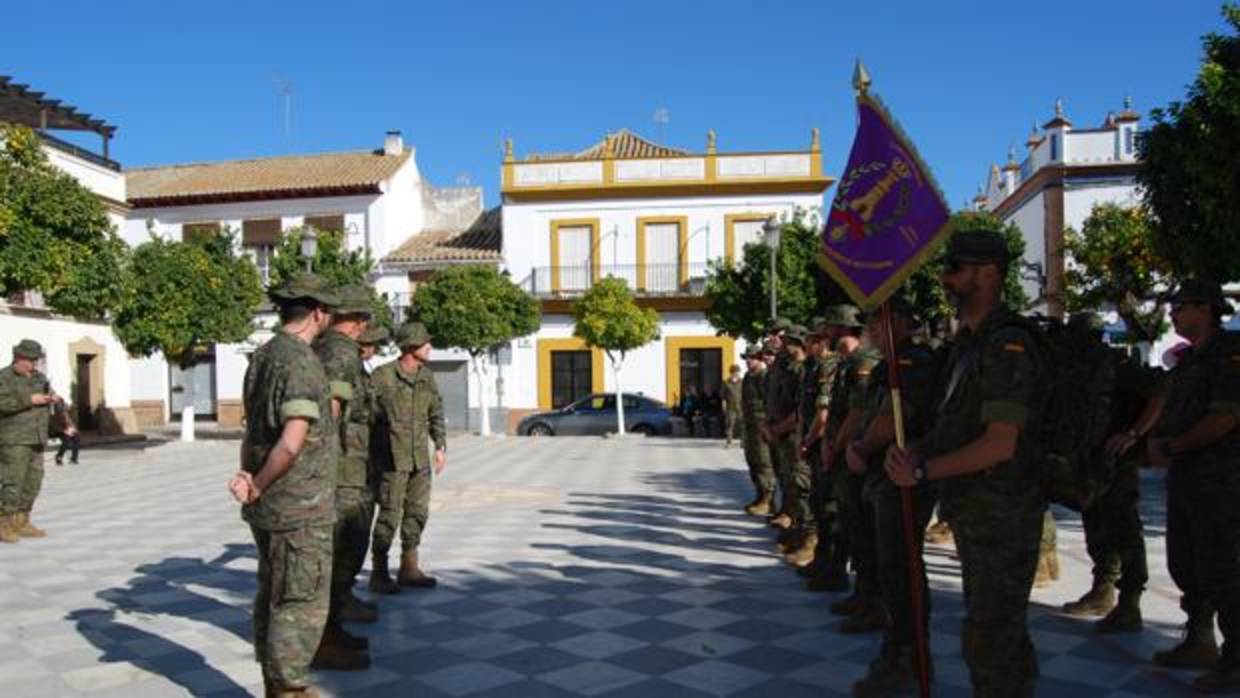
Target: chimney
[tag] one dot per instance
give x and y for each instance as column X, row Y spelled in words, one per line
column 393, row 144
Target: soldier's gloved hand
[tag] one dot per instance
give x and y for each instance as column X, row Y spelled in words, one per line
column 856, row 461
column 441, row 461
column 900, row 465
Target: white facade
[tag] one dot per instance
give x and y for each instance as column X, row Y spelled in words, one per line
column 654, row 221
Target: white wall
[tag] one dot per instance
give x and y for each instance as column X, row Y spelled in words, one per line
column 100, row 180
column 1080, row 199
column 55, row 333
column 1030, row 218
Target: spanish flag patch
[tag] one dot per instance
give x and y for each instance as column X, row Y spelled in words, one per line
column 1018, row 348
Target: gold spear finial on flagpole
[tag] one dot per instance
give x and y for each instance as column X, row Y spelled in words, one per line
column 861, row 78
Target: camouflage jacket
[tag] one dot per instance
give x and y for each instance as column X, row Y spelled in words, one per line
column 348, row 382
column 753, row 398
column 919, row 370
column 990, row 375
column 22, row 424
column 849, row 386
column 732, row 396
column 284, row 381
column 413, row 410
column 1205, row 381
column 783, row 393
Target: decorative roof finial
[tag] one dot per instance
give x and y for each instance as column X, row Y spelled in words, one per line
column 1059, row 108
column 508, row 157
column 1012, row 156
column 815, row 140
column 1128, row 102
column 861, row 78
column 608, row 151
column 710, row 141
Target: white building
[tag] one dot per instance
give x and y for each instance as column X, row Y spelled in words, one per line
column 1066, row 172
column 654, row 216
column 85, row 362
column 377, row 198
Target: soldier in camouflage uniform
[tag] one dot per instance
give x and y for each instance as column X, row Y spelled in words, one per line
column 340, row 353
column 895, row 667
column 782, row 433
column 986, row 468
column 864, row 609
column 777, row 360
column 731, row 396
column 287, row 485
column 25, row 397
column 408, row 401
column 753, row 414
column 1196, row 436
column 1113, row 532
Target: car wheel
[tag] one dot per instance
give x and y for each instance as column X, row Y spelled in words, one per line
column 539, row 430
column 643, row 429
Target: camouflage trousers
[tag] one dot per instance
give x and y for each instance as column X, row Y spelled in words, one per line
column 355, row 509
column 1114, row 535
column 893, row 572
column 758, row 458
column 1049, row 541
column 404, row 505
column 998, row 559
column 21, row 478
column 796, row 481
column 1203, row 551
column 856, row 514
column 732, row 428
column 290, row 609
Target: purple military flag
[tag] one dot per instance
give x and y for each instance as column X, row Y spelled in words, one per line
column 888, row 216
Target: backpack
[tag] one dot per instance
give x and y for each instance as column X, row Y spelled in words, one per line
column 1071, row 411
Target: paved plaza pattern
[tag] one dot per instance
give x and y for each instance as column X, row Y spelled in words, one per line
column 567, row 567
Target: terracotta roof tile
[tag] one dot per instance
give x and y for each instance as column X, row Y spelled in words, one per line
column 480, row 242
column 624, row 144
column 304, row 175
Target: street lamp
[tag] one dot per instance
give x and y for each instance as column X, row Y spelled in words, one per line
column 309, row 246
column 771, row 230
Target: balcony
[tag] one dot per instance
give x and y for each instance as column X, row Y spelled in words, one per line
column 647, row 281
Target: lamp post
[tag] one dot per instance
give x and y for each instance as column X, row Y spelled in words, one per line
column 771, row 230
column 309, row 246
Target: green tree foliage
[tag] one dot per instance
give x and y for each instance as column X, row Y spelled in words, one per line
column 1113, row 263
column 334, row 261
column 474, row 308
column 55, row 236
column 607, row 317
column 740, row 293
column 188, row 295
column 1191, row 172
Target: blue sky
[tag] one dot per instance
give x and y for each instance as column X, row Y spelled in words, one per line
column 190, row 81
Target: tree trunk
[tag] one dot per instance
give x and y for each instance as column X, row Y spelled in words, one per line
column 187, row 407
column 480, row 373
column 616, row 365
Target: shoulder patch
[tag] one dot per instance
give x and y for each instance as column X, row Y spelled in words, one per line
column 905, row 362
column 1012, row 346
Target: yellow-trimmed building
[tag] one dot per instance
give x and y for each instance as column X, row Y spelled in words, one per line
column 654, row 216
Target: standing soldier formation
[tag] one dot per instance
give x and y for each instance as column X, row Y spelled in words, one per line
column 25, row 399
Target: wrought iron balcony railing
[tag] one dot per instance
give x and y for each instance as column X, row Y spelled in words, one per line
column 649, row 280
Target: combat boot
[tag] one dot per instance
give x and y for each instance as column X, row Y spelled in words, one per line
column 782, row 521
column 353, row 611
column 410, row 575
column 286, row 692
column 1224, row 677
column 787, row 540
column 25, row 529
column 872, row 617
column 893, row 672
column 803, row 556
column 359, row 600
column 1098, row 601
column 1048, row 569
column 332, row 655
column 7, row 534
column 334, row 633
column 760, row 506
column 1124, row 618
column 1197, row 651
column 380, row 579
column 939, row 534
column 848, row 606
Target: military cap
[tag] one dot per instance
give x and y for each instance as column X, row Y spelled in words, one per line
column 1202, row 291
column 842, row 316
column 779, row 324
column 978, row 247
column 796, row 333
column 305, row 284
column 1086, row 321
column 375, row 334
column 28, row 349
column 412, row 334
column 354, row 299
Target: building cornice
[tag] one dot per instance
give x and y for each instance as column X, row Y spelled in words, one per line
column 269, row 195
column 1057, row 175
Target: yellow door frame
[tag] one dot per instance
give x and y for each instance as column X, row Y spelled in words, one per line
column 672, row 347
column 546, row 346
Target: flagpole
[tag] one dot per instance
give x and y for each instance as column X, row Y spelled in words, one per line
column 920, row 632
